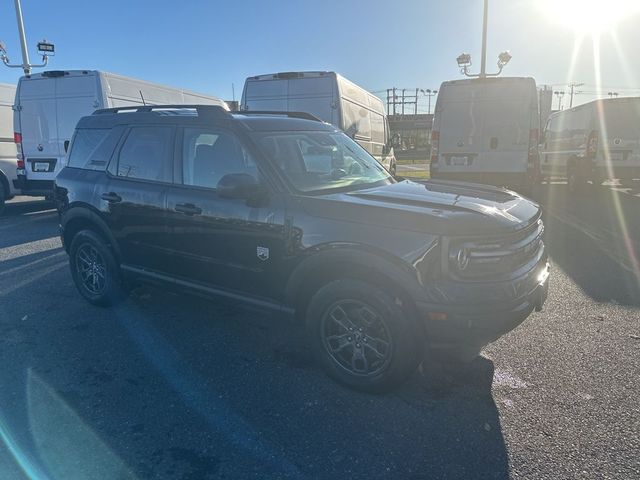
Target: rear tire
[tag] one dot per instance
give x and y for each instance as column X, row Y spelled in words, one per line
column 362, row 337
column 94, row 269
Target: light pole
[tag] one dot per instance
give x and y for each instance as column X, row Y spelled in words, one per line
column 464, row 59
column 45, row 48
column 559, row 95
column 429, row 93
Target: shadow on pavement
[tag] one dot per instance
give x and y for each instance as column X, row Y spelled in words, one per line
column 595, row 239
column 178, row 387
column 15, row 208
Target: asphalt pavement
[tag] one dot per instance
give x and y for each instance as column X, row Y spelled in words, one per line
column 177, row 387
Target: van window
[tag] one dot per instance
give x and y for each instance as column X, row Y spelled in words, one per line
column 356, row 119
column 208, row 155
column 147, row 153
column 377, row 128
column 91, row 148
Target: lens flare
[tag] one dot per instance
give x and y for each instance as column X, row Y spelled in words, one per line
column 590, row 16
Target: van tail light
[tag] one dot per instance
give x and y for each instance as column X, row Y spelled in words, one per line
column 20, row 164
column 17, row 139
column 435, row 146
column 592, row 144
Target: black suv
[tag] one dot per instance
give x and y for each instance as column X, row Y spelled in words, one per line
column 285, row 212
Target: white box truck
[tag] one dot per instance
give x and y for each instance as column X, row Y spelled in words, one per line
column 597, row 141
column 331, row 98
column 8, row 153
column 486, row 130
column 48, row 105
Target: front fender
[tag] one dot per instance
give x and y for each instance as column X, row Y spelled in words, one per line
column 345, row 257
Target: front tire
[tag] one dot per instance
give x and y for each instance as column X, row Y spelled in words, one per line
column 362, row 337
column 94, row 269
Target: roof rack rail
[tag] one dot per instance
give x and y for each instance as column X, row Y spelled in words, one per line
column 302, row 115
column 217, row 110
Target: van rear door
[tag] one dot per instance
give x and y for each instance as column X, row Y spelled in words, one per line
column 485, row 127
column 37, row 118
column 50, row 107
column 76, row 97
column 620, row 122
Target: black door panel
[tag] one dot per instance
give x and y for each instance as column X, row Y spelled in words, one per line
column 227, row 243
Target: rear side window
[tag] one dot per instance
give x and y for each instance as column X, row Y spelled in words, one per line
column 147, row 154
column 92, row 148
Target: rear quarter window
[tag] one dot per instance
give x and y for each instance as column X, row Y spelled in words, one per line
column 92, row 148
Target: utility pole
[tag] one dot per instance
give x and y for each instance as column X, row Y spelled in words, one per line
column 483, row 61
column 45, row 48
column 559, row 95
column 572, row 86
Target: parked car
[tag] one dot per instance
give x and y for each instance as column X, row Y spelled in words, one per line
column 486, row 130
column 330, row 97
column 290, row 214
column 597, row 141
column 8, row 153
column 48, row 105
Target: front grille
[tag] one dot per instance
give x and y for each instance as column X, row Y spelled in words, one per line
column 497, row 256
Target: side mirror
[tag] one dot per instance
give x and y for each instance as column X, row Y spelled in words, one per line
column 395, row 141
column 66, row 146
column 241, row 186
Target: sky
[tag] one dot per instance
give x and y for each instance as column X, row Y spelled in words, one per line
column 208, row 46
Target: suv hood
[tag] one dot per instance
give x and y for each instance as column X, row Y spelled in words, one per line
column 437, row 207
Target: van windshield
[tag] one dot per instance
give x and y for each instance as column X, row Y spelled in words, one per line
column 315, row 161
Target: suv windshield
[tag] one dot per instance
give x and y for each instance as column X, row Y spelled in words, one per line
column 319, row 161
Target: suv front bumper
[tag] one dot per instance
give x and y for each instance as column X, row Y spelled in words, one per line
column 481, row 323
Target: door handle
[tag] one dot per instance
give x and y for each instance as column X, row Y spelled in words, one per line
column 188, row 209
column 111, row 197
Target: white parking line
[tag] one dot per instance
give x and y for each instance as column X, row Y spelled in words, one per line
column 31, row 264
column 29, row 248
column 42, row 273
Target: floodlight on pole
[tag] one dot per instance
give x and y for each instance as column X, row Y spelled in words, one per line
column 45, row 48
column 464, row 60
column 429, row 93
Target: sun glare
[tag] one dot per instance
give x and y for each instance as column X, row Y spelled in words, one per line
column 590, row 16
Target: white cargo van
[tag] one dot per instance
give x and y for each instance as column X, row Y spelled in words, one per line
column 8, row 157
column 486, row 130
column 330, row 97
column 48, row 105
column 597, row 141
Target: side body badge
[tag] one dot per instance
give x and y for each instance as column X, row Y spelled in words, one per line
column 262, row 253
